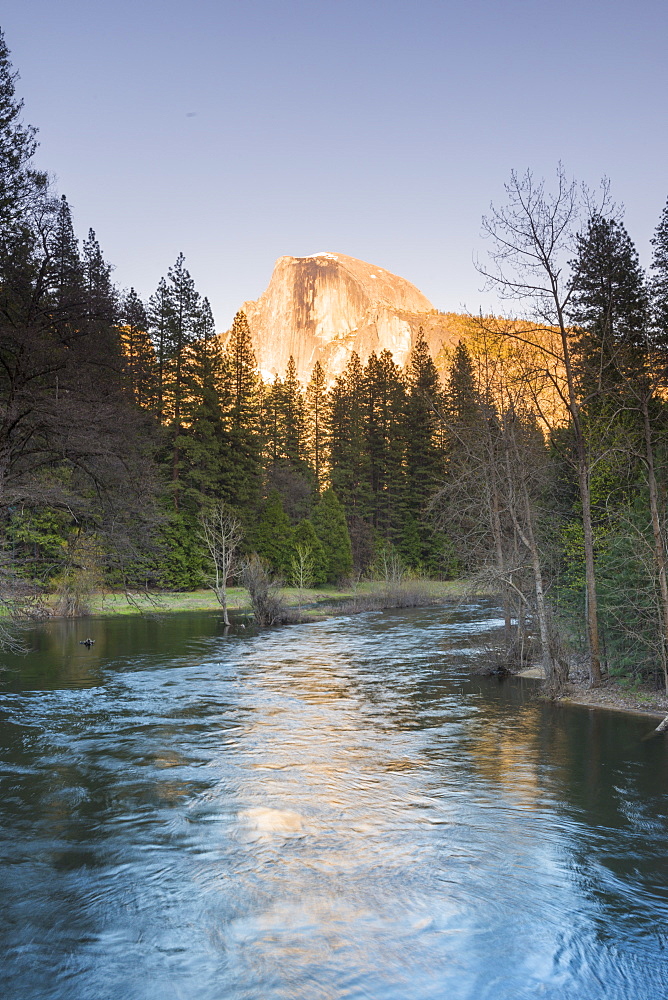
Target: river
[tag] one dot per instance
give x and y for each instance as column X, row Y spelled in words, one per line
column 319, row 812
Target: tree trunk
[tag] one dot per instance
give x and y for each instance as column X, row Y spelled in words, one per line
column 528, row 539
column 590, row 577
column 585, row 500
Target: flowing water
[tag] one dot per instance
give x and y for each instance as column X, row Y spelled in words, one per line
column 318, row 812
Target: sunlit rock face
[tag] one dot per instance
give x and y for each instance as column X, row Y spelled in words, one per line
column 324, row 307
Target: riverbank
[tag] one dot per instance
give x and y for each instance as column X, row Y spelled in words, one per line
column 611, row 694
column 313, row 603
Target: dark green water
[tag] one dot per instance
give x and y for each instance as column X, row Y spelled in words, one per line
column 319, row 812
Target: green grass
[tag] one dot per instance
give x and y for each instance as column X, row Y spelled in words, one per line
column 109, row 603
column 314, row 603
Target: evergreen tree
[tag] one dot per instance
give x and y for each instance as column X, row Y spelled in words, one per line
column 66, row 270
column 100, row 313
column 316, row 419
column 424, row 454
column 609, row 306
column 294, row 415
column 272, row 421
column 283, row 419
column 304, row 535
column 203, row 440
column 659, row 284
column 471, row 457
column 181, row 565
column 610, row 350
column 242, row 379
column 349, row 466
column 462, row 405
column 138, row 350
column 183, row 317
column 17, row 147
column 424, row 459
column 386, row 445
column 241, row 403
column 271, row 535
column 159, row 322
column 329, row 522
column 100, row 302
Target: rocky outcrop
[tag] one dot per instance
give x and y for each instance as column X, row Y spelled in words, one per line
column 324, row 307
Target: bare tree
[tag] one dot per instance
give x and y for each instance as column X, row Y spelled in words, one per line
column 492, row 496
column 302, row 566
column 221, row 532
column 268, row 606
column 531, row 262
column 389, row 567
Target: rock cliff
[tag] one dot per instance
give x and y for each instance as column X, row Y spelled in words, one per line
column 324, row 307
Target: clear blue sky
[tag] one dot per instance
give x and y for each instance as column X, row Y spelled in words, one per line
column 240, row 130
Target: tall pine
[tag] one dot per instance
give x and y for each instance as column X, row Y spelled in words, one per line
column 349, row 467
column 241, row 403
column 386, row 444
column 316, row 424
column 17, row 146
column 138, row 350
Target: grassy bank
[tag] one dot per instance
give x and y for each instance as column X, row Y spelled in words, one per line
column 365, row 596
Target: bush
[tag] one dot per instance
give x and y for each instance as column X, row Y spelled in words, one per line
column 267, row 603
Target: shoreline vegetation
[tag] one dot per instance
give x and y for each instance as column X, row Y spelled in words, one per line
column 317, row 604
column 311, row 604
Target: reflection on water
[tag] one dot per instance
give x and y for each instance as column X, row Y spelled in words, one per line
column 319, row 812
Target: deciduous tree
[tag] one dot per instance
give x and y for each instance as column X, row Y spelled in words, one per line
column 533, row 238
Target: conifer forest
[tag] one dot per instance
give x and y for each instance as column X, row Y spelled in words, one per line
column 530, row 460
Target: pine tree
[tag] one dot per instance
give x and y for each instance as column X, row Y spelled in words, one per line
column 424, row 460
column 386, row 446
column 283, row 419
column 159, row 315
column 609, row 306
column 100, row 295
column 316, row 419
column 462, row 405
column 610, row 349
column 203, row 441
column 424, row 455
column 100, row 313
column 271, row 535
column 659, row 284
column 17, row 147
column 293, row 402
column 181, row 565
column 349, row 465
column 329, row 522
column 66, row 269
column 242, row 379
column 272, row 421
column 181, row 330
column 304, row 535
column 470, row 458
column 138, row 350
column 241, row 403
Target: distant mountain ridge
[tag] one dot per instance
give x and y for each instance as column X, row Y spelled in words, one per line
column 327, row 305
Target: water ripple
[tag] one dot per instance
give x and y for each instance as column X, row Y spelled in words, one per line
column 321, row 812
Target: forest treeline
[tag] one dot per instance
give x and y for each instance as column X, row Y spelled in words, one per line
column 532, row 460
